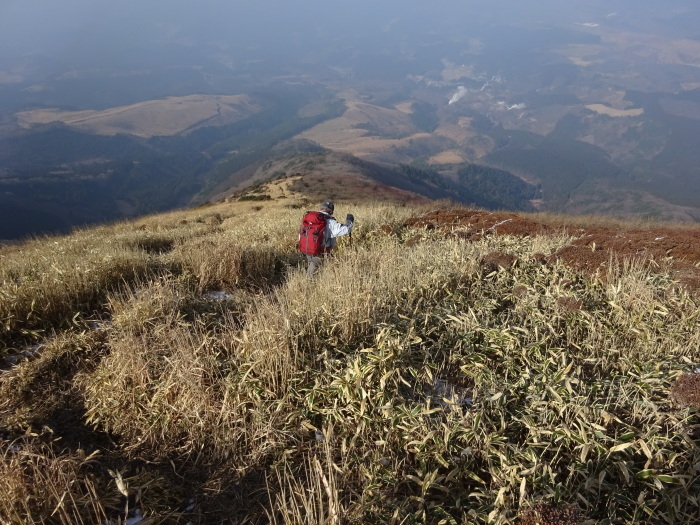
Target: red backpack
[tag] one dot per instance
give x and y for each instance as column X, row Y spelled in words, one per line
column 313, row 225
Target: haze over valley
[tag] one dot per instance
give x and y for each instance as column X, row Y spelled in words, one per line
column 111, row 111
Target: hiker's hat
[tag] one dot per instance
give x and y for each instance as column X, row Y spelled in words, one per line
column 328, row 205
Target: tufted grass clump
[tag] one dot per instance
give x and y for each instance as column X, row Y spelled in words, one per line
column 37, row 484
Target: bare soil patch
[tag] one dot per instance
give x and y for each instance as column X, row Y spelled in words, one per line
column 448, row 157
column 405, row 107
column 593, row 247
column 602, row 109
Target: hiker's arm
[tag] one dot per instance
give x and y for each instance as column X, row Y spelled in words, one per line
column 336, row 229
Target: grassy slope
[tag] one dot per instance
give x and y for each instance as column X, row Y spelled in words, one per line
column 417, row 378
column 168, row 116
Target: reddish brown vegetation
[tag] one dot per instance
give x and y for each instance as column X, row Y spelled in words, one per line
column 473, row 224
column 594, row 246
column 686, row 390
column 495, row 260
column 550, row 514
column 569, row 304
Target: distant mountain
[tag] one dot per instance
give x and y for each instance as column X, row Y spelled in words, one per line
column 153, row 118
column 79, row 168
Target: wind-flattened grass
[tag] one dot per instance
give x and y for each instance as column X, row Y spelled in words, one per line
column 409, row 381
column 162, row 377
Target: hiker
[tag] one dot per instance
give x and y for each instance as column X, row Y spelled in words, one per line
column 318, row 232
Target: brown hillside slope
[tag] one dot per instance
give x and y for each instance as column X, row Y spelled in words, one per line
column 319, row 176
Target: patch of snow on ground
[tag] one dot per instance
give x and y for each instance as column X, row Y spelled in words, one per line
column 218, row 296
column 498, row 224
column 447, row 393
column 137, row 517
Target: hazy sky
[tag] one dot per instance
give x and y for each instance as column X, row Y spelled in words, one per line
column 62, row 27
column 59, row 27
column 40, row 38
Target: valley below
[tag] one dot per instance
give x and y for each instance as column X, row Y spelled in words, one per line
column 596, row 117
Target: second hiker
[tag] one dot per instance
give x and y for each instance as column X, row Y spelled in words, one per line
column 318, row 233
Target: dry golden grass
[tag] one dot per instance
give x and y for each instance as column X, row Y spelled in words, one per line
column 39, row 485
column 348, row 133
column 602, row 109
column 448, row 157
column 411, row 380
column 168, row 116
